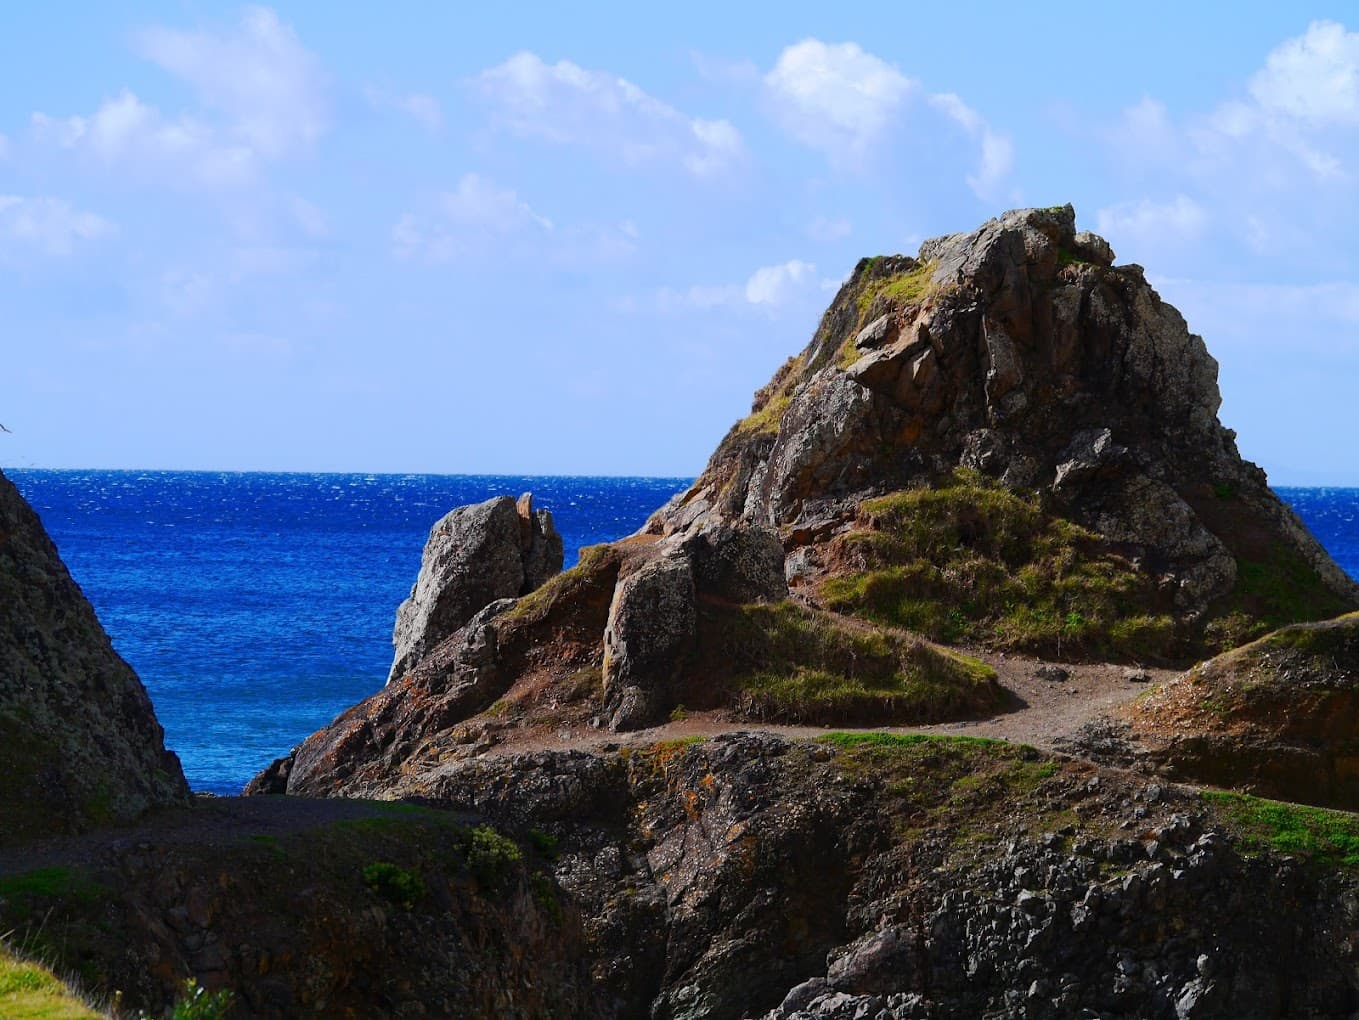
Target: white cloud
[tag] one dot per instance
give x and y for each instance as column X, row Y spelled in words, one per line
column 842, row 100
column 263, row 92
column 997, row 151
column 835, row 97
column 423, row 108
column 462, row 220
column 1299, row 111
column 767, row 288
column 480, row 201
column 1234, row 311
column 1313, row 78
column 126, row 131
column 1148, row 224
column 50, row 225
column 776, row 285
column 567, row 104
column 259, row 76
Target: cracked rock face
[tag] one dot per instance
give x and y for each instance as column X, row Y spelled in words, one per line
column 1018, row 350
column 475, row 555
column 79, row 742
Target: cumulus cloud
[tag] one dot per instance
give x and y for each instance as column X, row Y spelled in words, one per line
column 566, row 104
column 1298, row 112
column 263, row 98
column 259, row 76
column 776, row 285
column 126, row 131
column 51, row 226
column 425, row 109
column 1313, row 78
column 463, row 219
column 1147, row 223
column 997, row 151
column 843, row 100
column 835, row 97
column 768, row 288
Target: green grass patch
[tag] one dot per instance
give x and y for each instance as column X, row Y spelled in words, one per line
column 25, row 891
column 1283, row 589
column 898, row 289
column 960, row 785
column 796, row 664
column 970, row 560
column 29, row 991
column 877, row 738
column 544, row 843
column 1325, row 837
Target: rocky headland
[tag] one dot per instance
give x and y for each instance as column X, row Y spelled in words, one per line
column 950, row 689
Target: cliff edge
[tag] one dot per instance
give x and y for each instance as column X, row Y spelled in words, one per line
column 79, row 742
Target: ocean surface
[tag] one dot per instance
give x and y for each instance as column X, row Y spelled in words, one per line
column 256, row 607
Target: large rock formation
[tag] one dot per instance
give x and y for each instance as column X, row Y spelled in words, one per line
column 1006, row 441
column 79, row 742
column 476, row 554
column 1020, row 353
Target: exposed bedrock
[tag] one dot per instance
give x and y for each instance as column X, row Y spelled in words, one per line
column 1021, row 352
column 79, row 742
column 475, row 555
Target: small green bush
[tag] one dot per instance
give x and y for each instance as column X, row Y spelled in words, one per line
column 491, row 856
column 394, row 883
column 544, row 843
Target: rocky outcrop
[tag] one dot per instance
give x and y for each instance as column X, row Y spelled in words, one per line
column 746, row 875
column 1278, row 717
column 1006, row 441
column 916, row 878
column 475, row 555
column 79, row 742
column 1021, row 353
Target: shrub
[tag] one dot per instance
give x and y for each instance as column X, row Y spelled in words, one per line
column 394, row 883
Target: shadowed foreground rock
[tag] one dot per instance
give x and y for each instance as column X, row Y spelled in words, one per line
column 741, row 876
column 79, row 742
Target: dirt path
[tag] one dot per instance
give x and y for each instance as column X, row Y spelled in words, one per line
column 1042, row 712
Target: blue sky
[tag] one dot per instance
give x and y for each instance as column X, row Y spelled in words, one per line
column 513, row 238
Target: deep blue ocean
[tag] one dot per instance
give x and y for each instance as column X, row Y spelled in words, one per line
column 256, row 607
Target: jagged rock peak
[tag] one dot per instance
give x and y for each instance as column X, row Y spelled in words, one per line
column 475, row 555
column 1021, row 352
column 79, row 742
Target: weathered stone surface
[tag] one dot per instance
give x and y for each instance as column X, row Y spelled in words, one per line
column 79, row 742
column 1021, row 351
column 647, row 641
column 749, row 876
column 475, row 554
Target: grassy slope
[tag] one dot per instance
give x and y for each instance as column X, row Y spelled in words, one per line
column 32, row 992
